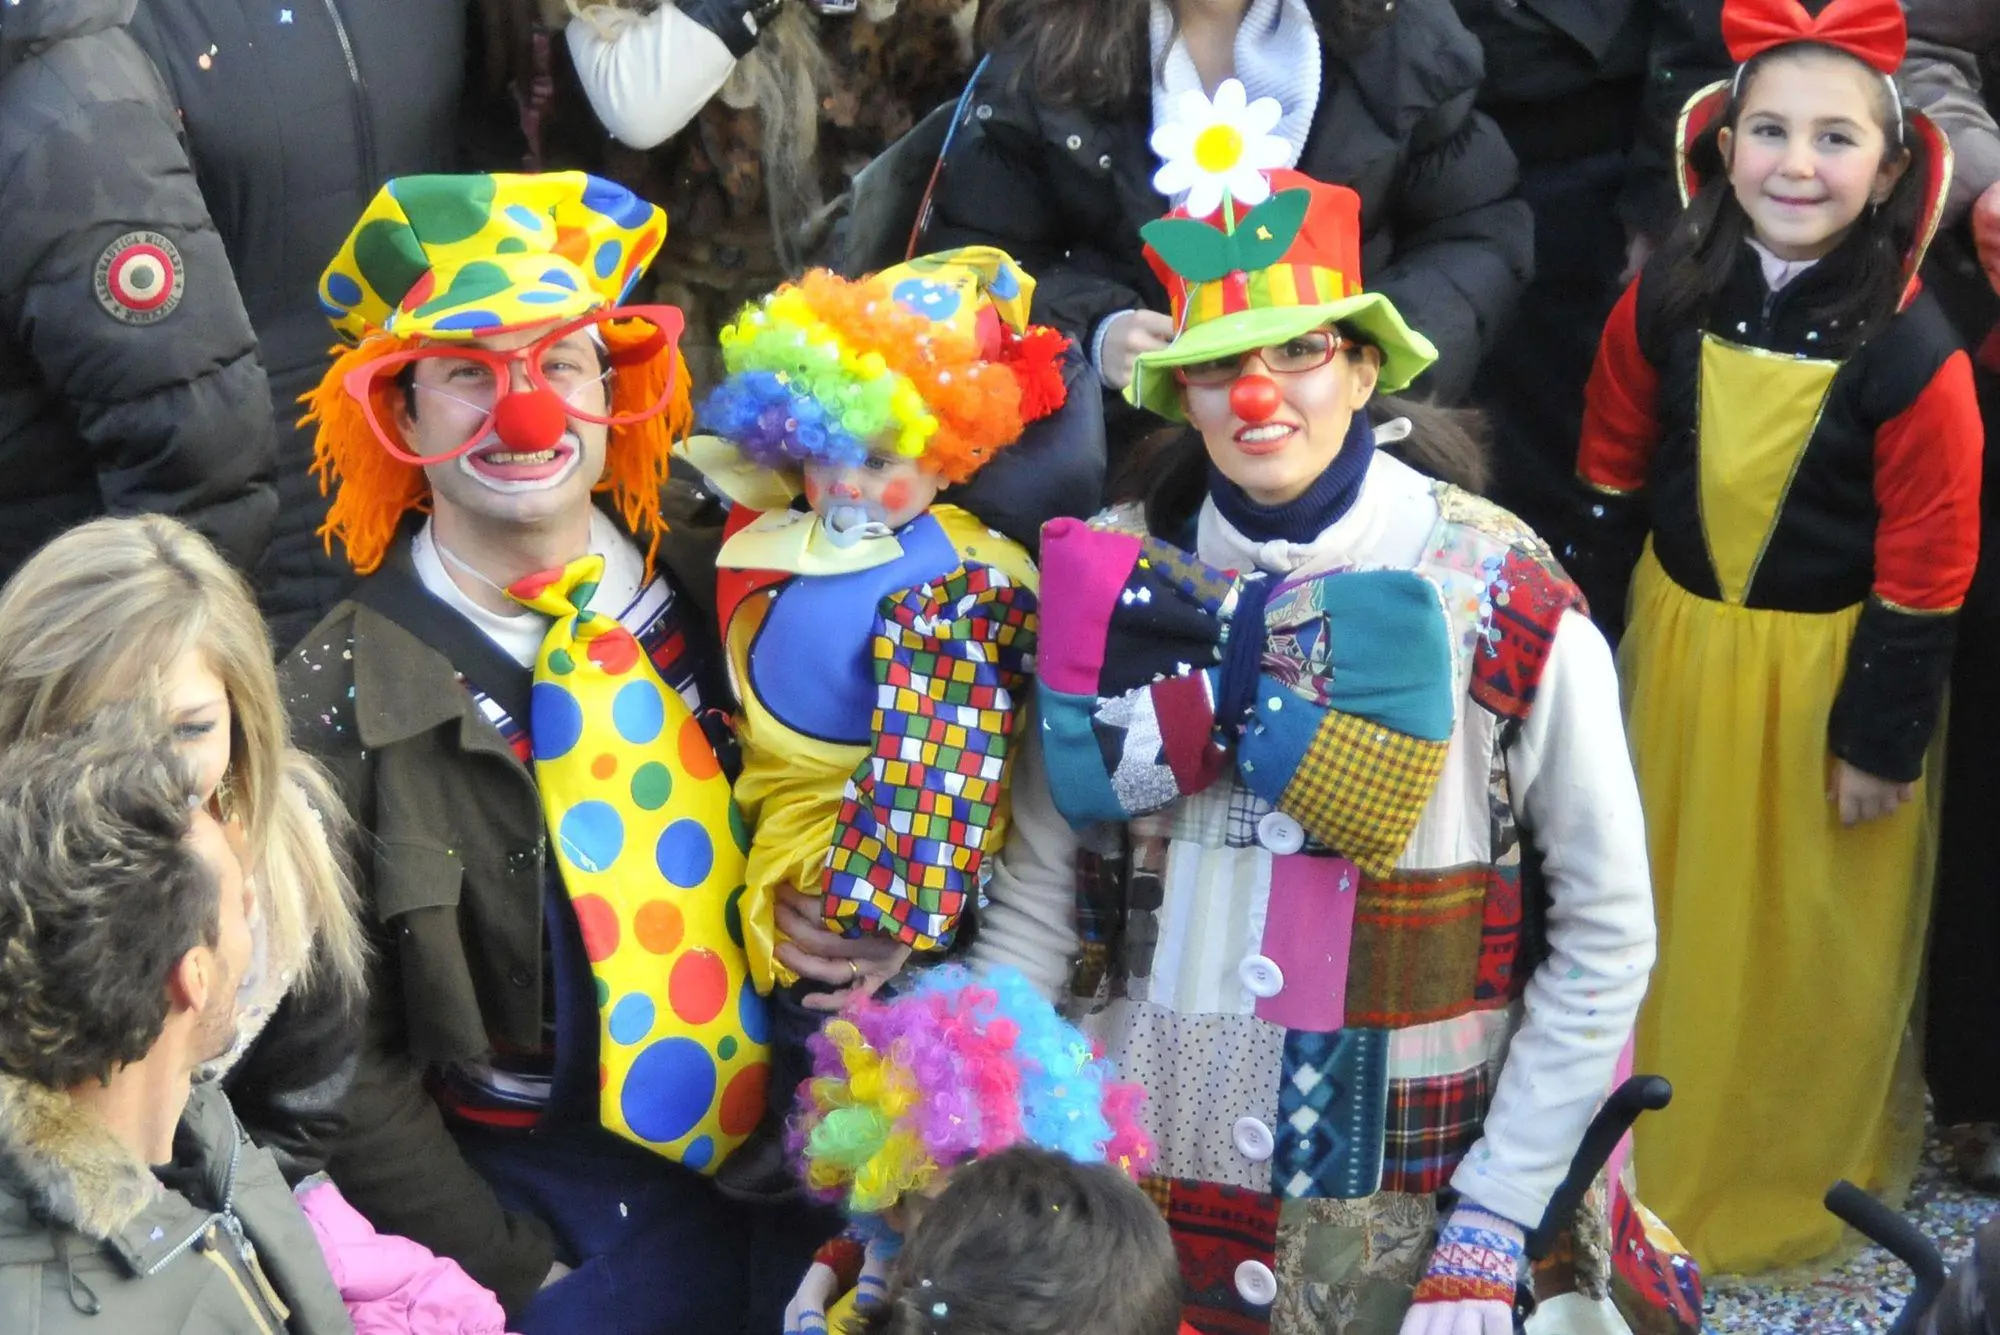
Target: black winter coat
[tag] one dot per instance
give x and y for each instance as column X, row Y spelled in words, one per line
column 1065, row 191
column 295, row 114
column 1686, row 54
column 129, row 378
column 1562, row 76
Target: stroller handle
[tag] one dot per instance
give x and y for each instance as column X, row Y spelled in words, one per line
column 1639, row 1094
column 1899, row 1237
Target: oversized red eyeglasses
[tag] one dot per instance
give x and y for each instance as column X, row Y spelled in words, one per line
column 471, row 390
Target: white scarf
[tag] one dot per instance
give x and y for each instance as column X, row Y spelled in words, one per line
column 1277, row 55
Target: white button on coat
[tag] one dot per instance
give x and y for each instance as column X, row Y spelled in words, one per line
column 1261, row 976
column 1256, row 1284
column 1253, row 1139
column 1280, row 834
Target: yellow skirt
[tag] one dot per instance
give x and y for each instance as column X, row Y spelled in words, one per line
column 1790, row 946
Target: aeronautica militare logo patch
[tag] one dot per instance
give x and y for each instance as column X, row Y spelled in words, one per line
column 140, row 278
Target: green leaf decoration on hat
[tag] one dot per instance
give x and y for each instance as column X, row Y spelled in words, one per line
column 1201, row 253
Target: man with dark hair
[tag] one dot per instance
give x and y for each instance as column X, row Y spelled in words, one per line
column 125, row 1193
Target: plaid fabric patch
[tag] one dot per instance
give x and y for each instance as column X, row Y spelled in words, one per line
column 1430, row 1125
column 1361, row 788
column 1417, row 947
column 1192, row 577
column 1240, row 815
column 1224, row 815
column 951, row 658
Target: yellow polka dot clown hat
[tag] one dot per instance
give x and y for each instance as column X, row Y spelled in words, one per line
column 460, row 256
column 437, row 263
column 1255, row 255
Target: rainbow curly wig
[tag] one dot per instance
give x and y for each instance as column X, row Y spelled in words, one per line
column 372, row 489
column 825, row 368
column 952, row 1070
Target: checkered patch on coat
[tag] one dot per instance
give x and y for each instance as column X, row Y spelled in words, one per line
column 951, row 659
column 1361, row 787
column 1432, row 1122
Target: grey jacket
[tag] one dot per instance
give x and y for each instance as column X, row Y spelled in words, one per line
column 94, row 1242
column 129, row 376
column 1949, row 41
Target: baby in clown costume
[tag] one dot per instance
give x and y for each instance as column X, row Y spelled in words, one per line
column 880, row 640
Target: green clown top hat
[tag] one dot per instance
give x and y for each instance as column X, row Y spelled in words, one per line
column 1270, row 255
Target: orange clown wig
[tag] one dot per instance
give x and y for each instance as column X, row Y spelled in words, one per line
column 441, row 259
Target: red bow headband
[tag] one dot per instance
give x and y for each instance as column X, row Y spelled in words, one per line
column 1872, row 31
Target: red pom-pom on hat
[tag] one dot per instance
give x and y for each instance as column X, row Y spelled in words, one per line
column 1035, row 357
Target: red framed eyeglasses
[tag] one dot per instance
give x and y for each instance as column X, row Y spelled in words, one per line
column 570, row 373
column 1295, row 356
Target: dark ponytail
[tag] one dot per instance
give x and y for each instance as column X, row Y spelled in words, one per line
column 1696, row 261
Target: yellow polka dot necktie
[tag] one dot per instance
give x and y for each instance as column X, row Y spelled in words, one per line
column 651, row 850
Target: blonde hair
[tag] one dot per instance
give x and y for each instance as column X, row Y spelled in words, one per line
column 101, row 614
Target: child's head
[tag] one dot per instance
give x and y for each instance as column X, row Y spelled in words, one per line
column 882, row 488
column 1812, row 140
column 1030, row 1242
column 1808, row 151
column 881, row 391
column 904, row 1091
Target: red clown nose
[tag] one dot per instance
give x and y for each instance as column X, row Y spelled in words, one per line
column 1255, row 398
column 530, row 420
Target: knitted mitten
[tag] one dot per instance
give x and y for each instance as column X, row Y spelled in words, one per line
column 1478, row 1259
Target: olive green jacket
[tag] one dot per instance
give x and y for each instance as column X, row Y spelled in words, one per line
column 92, row 1241
column 451, row 868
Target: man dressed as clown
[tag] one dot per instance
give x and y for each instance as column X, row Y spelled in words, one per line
column 564, row 1045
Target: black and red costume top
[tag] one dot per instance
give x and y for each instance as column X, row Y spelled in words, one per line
column 1773, row 474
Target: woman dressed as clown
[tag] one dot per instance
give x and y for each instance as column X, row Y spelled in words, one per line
column 1367, row 914
column 880, row 641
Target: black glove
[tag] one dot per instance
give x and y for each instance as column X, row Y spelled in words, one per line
column 1610, row 534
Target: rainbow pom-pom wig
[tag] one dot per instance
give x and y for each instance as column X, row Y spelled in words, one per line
column 932, row 360
column 954, row 1069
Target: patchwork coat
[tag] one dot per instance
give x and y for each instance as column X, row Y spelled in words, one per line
column 1325, row 1052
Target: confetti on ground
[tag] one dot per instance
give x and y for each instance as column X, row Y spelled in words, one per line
column 1863, row 1296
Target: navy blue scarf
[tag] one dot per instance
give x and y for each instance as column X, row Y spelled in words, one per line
column 1306, row 516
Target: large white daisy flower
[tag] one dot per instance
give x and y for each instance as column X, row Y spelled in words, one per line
column 1222, row 147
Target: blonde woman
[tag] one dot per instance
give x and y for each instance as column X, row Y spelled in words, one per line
column 120, row 608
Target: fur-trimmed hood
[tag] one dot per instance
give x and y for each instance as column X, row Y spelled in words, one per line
column 66, row 1164
column 213, row 1243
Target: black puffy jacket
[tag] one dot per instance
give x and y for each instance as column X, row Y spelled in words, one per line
column 1066, row 190
column 129, row 378
column 1685, row 55
column 295, row 113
